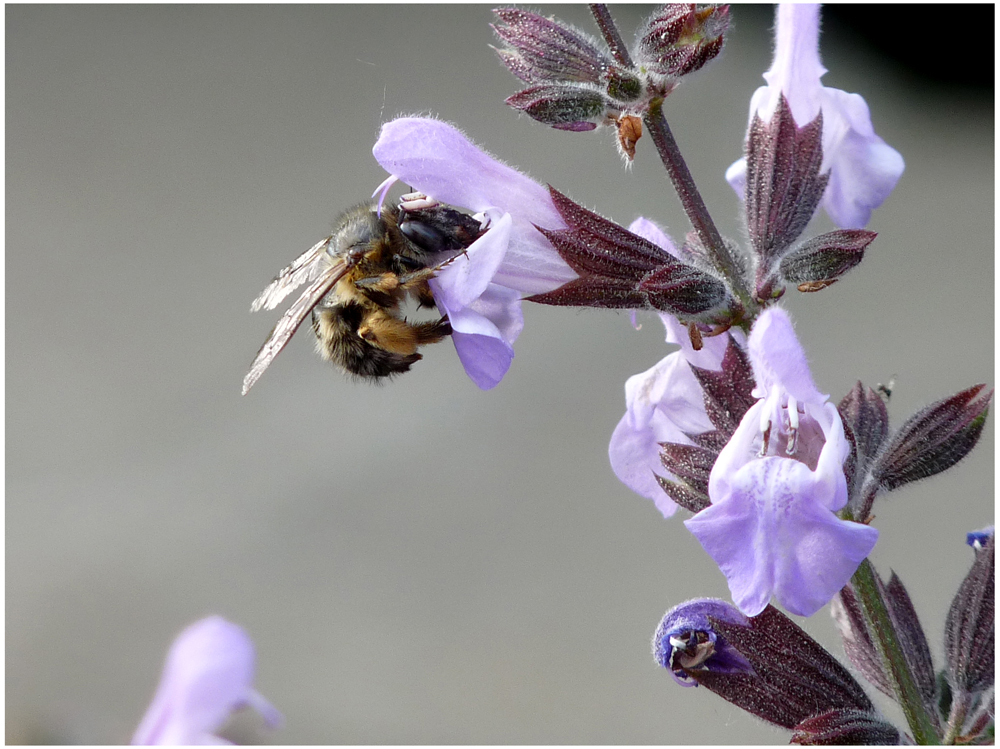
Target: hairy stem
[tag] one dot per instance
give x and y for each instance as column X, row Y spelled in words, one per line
column 610, row 31
column 678, row 172
column 890, row 651
column 691, row 201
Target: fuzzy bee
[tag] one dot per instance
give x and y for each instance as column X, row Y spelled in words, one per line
column 359, row 277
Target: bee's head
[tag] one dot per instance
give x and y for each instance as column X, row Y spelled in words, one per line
column 357, row 233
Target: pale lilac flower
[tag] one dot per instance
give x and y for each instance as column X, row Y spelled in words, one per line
column 777, row 484
column 686, row 640
column 480, row 292
column 207, row 676
column 662, row 404
column 863, row 168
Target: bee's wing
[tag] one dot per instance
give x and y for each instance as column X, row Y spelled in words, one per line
column 307, row 267
column 291, row 321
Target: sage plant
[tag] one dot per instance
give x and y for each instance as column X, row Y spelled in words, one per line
column 778, row 479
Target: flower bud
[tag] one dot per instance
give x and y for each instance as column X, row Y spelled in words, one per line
column 543, row 49
column 680, row 38
column 686, row 640
column 934, row 439
column 563, row 107
column 825, row 258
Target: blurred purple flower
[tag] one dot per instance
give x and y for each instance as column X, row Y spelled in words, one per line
column 207, row 676
column 480, row 292
column 686, row 640
column 662, row 404
column 978, row 539
column 863, row 168
column 777, row 484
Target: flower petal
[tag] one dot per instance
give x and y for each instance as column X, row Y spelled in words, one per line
column 772, row 535
column 466, row 277
column 635, row 458
column 484, row 333
column 437, row 159
column 864, row 169
column 208, row 674
column 777, row 357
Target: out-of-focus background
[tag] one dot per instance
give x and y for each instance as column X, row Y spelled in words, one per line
column 421, row 562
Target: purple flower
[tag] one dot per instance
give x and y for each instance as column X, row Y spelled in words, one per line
column 863, row 168
column 978, row 539
column 777, row 484
column 480, row 292
column 662, row 404
column 686, row 640
column 207, row 676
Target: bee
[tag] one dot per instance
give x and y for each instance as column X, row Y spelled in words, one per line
column 359, row 277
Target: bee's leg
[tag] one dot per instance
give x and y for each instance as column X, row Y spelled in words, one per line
column 432, row 332
column 385, row 290
column 416, row 284
column 389, row 333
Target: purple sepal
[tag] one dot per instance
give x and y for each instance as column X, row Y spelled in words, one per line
column 846, row 726
column 866, row 424
column 207, row 676
column 622, row 270
column 784, row 184
column 562, row 106
column 970, row 628
column 862, row 652
column 792, row 677
column 822, row 260
column 544, row 49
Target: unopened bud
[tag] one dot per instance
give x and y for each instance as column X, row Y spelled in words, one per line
column 822, row 260
column 546, row 50
column 562, row 106
column 680, row 38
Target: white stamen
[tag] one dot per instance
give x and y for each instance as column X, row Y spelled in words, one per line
column 793, row 425
column 416, row 201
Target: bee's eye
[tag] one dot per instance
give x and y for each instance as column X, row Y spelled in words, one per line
column 424, row 236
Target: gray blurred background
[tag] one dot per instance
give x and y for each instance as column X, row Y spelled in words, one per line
column 421, row 562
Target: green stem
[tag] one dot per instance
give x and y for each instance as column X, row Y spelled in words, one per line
column 891, row 653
